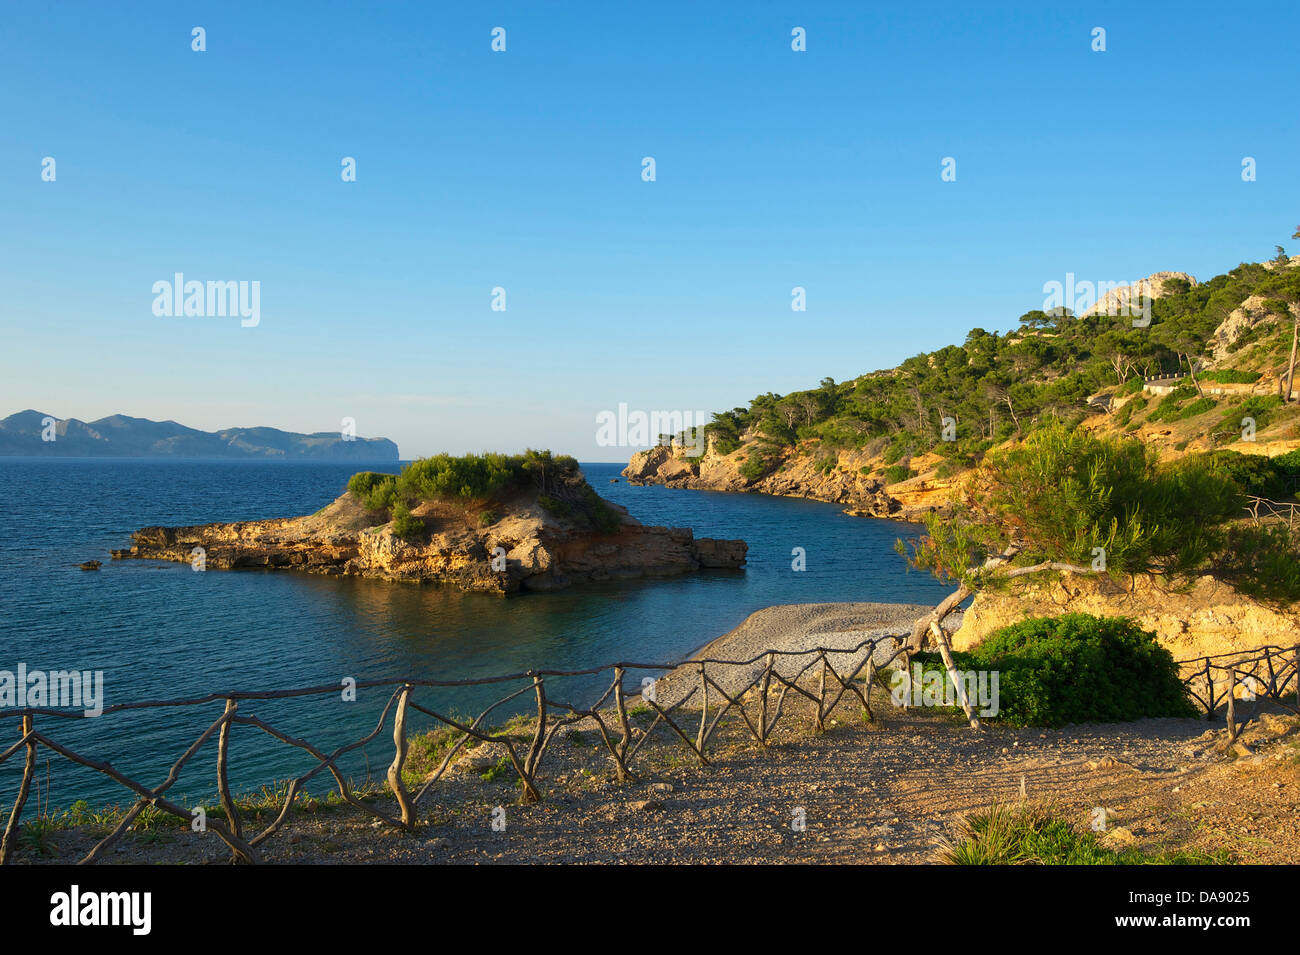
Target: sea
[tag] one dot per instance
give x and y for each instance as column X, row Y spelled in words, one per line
column 161, row 631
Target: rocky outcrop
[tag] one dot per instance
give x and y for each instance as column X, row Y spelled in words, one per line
column 1127, row 299
column 518, row 545
column 1251, row 313
column 837, row 478
column 1206, row 618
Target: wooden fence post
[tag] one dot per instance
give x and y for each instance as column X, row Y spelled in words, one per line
column 704, row 709
column 1209, row 691
column 762, row 705
column 1232, row 705
column 29, row 769
column 223, row 782
column 539, row 735
column 395, row 782
column 820, row 725
column 620, row 749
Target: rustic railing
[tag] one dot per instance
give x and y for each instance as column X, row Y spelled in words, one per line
column 718, row 687
column 1238, row 677
column 1261, row 509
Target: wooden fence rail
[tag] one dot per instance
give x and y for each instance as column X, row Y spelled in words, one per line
column 1262, row 509
column 1251, row 676
column 754, row 690
column 715, row 694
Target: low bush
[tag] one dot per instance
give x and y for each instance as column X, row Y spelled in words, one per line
column 1263, row 562
column 898, row 472
column 405, row 524
column 1041, row 835
column 761, row 462
column 1230, row 376
column 1078, row 668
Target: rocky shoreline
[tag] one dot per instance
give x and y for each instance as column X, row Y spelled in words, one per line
column 520, row 546
column 844, row 481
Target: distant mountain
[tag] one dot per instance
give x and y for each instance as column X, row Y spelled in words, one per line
column 119, row 436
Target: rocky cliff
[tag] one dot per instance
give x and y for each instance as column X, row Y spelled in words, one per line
column 1207, row 617
column 517, row 545
column 840, row 478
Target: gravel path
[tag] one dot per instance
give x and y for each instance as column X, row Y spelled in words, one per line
column 789, row 628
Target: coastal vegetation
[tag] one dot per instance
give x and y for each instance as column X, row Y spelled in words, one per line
column 993, row 386
column 1077, row 668
column 1067, row 500
column 479, row 480
column 469, row 477
column 1043, row 835
column 1067, row 496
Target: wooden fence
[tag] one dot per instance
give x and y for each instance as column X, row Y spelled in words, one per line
column 1239, row 677
column 754, row 690
column 1261, row 509
column 719, row 687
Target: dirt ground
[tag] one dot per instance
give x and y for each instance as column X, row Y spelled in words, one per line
column 888, row 791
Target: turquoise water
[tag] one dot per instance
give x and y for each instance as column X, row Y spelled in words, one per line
column 161, row 631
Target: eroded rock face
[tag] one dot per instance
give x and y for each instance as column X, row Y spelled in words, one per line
column 1126, row 299
column 526, row 549
column 803, row 476
column 1209, row 617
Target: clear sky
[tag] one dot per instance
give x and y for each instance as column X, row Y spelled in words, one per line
column 523, row 170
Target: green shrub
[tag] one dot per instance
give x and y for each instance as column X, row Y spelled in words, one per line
column 1038, row 835
column 469, row 477
column 1197, row 407
column 1255, row 474
column 1263, row 562
column 1078, row 668
column 377, row 491
column 899, row 446
column 591, row 507
column 898, row 472
column 761, row 462
column 406, row 525
column 553, row 505
column 1230, row 376
column 1287, row 467
column 1171, row 407
column 1062, row 493
column 1259, row 407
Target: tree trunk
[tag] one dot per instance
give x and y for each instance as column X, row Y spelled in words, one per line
column 1010, row 408
column 1191, row 370
column 950, row 602
column 958, row 684
column 1290, row 373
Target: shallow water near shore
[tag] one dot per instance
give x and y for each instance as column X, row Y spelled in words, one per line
column 161, row 631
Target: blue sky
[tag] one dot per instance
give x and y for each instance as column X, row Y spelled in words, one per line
column 522, row 170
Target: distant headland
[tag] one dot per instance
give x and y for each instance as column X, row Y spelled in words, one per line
column 36, row 434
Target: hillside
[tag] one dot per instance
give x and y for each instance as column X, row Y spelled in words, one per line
column 1206, row 372
column 119, row 436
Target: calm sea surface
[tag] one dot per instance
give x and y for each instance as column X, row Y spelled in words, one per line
column 162, row 631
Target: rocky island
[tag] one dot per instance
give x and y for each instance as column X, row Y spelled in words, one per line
column 490, row 523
